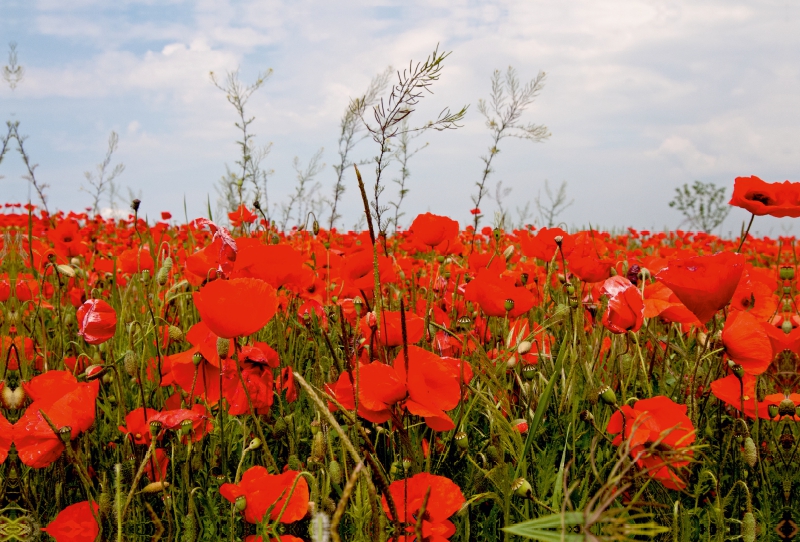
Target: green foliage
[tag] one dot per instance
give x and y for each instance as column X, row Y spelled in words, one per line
column 703, row 205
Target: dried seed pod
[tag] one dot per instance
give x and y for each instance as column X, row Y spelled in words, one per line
column 130, row 363
column 155, row 487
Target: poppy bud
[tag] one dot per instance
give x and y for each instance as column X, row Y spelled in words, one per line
column 315, row 227
column 275, row 239
column 396, row 469
column 163, row 273
column 608, row 396
column 197, row 357
column 335, row 472
column 570, row 289
column 135, row 205
column 65, row 433
column 786, row 326
column 94, row 371
column 522, row 488
column 772, row 410
column 786, row 272
column 107, row 378
column 786, row 407
column 294, row 462
column 492, row 454
column 223, row 347
column 65, row 270
column 509, row 305
column 462, row 441
column 319, row 446
column 749, row 527
column 508, row 252
column 255, row 444
column 528, row 372
column 175, row 333
column 280, row 427
column 498, row 234
column 155, row 427
column 750, row 453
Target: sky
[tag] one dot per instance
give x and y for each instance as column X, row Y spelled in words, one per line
column 640, row 96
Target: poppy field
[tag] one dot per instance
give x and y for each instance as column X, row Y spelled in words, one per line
column 200, row 381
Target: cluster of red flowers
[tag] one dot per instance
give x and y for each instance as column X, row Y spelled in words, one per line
column 412, row 313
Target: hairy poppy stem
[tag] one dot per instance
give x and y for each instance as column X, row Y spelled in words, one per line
column 744, row 234
column 348, row 490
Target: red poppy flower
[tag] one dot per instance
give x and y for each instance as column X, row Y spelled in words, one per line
column 135, row 260
column 662, row 302
column 543, row 245
column 217, row 258
column 432, row 230
column 236, row 307
column 75, row 523
column 67, row 239
column 263, row 490
column 6, row 437
column 782, row 341
column 746, row 342
column 704, row 284
column 199, row 416
column 762, row 198
column 391, row 332
column 655, row 420
column 241, row 216
column 277, row 265
column 97, row 321
column 431, row 388
column 156, row 468
column 444, row 500
column 66, row 402
column 137, row 425
column 198, row 380
column 625, row 308
column 588, row 258
column 733, row 392
column 258, row 383
column 492, row 292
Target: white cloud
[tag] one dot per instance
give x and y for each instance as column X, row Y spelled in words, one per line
column 641, row 95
